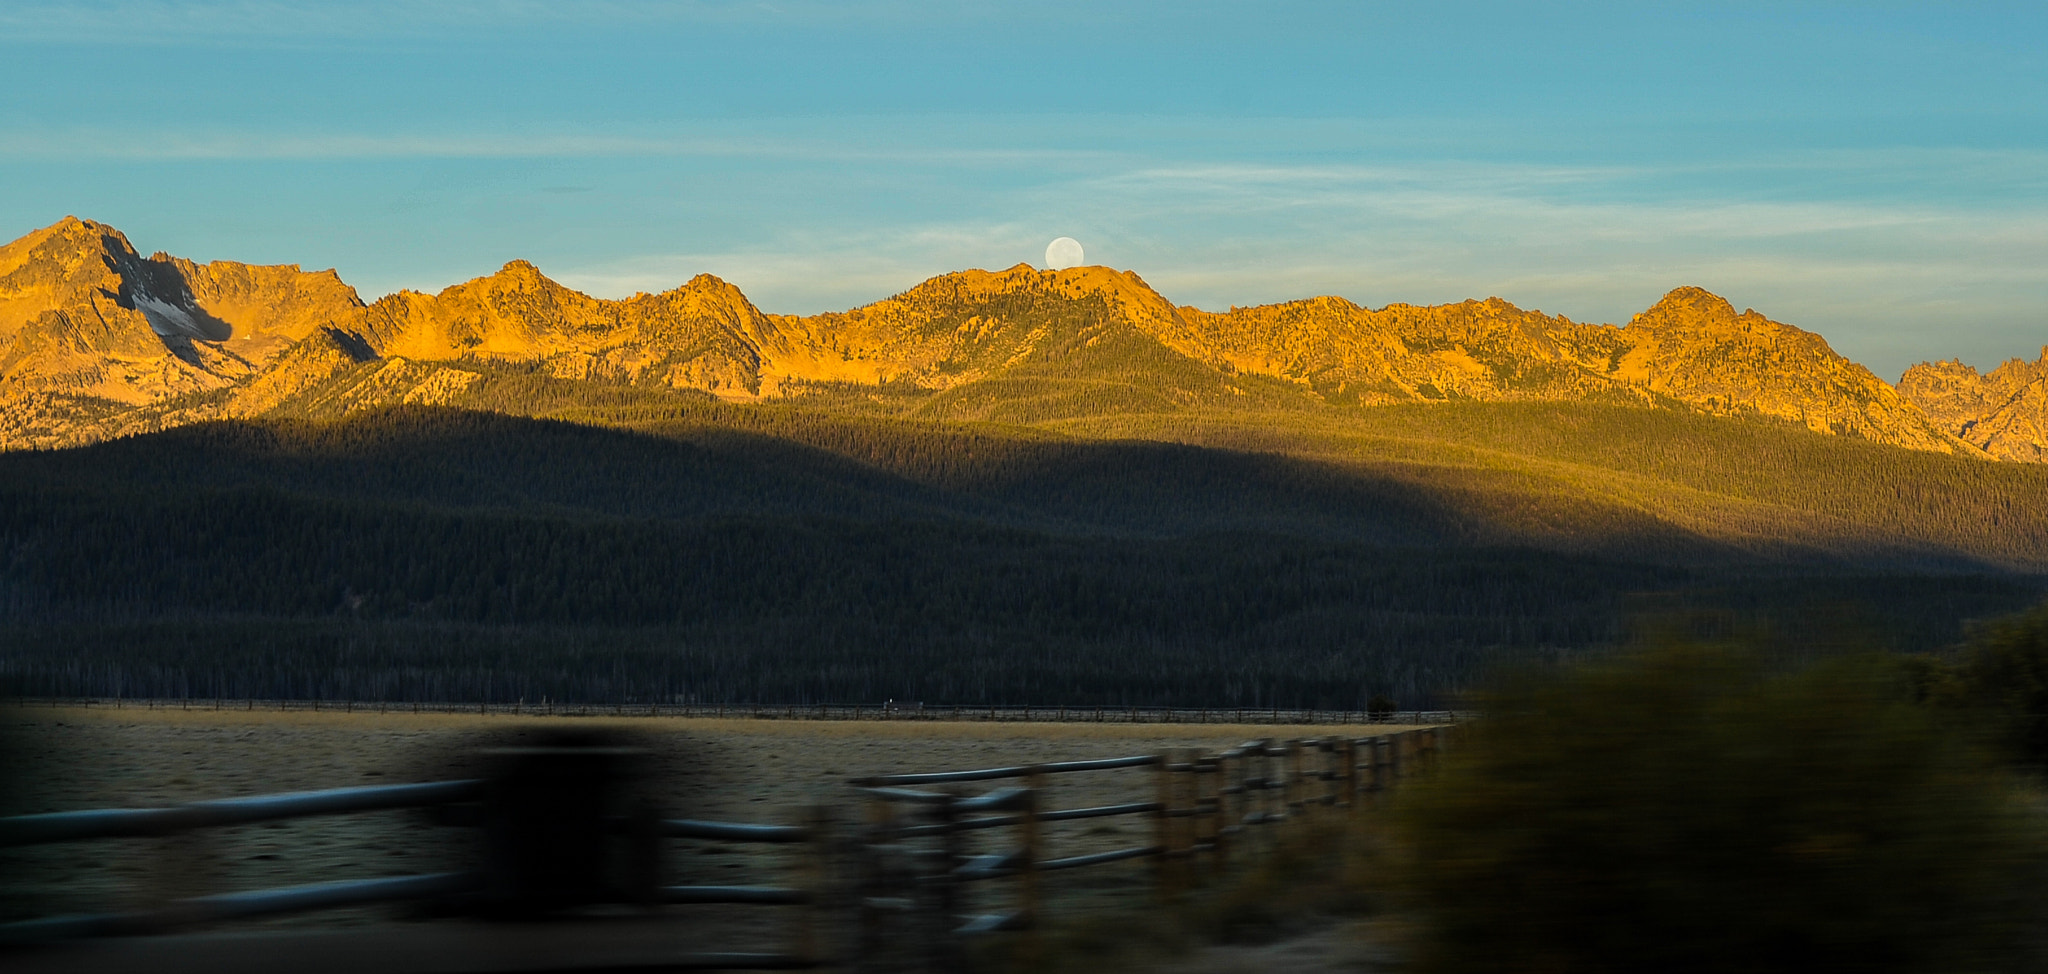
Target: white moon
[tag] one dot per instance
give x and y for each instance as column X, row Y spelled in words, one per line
column 1063, row 253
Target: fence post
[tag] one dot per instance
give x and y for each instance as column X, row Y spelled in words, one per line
column 815, row 870
column 1295, row 804
column 1034, row 800
column 1332, row 776
column 1189, row 833
column 1266, row 782
column 876, row 881
column 1307, row 762
column 1188, row 827
column 1224, row 763
column 949, row 953
column 1209, row 793
column 1347, row 752
column 1162, row 824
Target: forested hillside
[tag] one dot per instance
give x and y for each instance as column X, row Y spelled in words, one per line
column 724, row 553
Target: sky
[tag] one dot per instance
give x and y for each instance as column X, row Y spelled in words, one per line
column 1873, row 171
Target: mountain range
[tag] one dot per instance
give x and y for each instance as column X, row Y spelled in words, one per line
column 98, row 341
column 997, row 486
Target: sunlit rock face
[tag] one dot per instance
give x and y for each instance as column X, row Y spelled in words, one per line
column 1690, row 349
column 98, row 341
column 89, row 327
column 703, row 335
column 1693, row 347
column 2003, row 412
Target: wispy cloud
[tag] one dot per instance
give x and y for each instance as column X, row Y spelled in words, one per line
column 811, row 271
column 1867, row 246
column 1876, row 273
column 144, row 22
column 87, row 143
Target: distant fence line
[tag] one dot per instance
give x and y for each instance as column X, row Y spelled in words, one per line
column 758, row 711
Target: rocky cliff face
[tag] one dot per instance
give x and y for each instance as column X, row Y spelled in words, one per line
column 96, row 341
column 1691, row 348
column 2004, row 413
column 703, row 335
column 969, row 326
column 88, row 326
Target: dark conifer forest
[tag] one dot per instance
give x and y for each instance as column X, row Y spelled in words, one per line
column 679, row 550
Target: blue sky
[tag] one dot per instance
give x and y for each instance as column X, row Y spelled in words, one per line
column 1877, row 172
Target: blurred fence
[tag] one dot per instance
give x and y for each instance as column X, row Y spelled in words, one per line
column 761, row 711
column 899, row 886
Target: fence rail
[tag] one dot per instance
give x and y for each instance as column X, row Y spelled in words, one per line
column 979, row 713
column 905, row 877
column 119, row 822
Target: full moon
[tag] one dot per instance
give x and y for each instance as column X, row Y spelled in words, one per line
column 1063, row 253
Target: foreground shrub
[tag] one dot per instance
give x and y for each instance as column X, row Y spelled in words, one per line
column 2002, row 679
column 1686, row 811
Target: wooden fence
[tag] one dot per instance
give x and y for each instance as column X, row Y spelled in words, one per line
column 898, row 889
column 916, row 867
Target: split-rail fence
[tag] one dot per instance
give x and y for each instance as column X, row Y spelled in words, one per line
column 895, row 887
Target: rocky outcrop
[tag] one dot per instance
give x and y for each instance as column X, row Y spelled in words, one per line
column 1690, row 349
column 2004, row 412
column 83, row 316
column 967, row 326
column 1693, row 347
column 704, row 335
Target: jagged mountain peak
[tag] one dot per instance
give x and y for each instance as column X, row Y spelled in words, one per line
column 1086, row 279
column 707, row 295
column 709, row 282
column 71, row 253
column 90, row 272
column 523, row 272
column 1123, row 287
column 76, row 232
column 1686, row 306
column 1074, row 338
column 1689, row 316
column 85, row 317
column 2003, row 412
column 2017, row 366
column 515, row 276
column 946, row 297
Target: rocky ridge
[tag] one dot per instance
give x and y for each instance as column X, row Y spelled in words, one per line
column 2003, row 412
column 97, row 341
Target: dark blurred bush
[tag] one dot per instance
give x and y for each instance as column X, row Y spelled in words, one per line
column 15, row 903
column 2001, row 681
column 1687, row 810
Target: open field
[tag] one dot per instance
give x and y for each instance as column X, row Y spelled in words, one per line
column 732, row 769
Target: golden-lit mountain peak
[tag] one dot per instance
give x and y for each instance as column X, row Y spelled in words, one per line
column 1686, row 305
column 519, row 275
column 1124, row 287
column 2003, row 412
column 711, row 301
column 62, row 265
column 99, row 322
